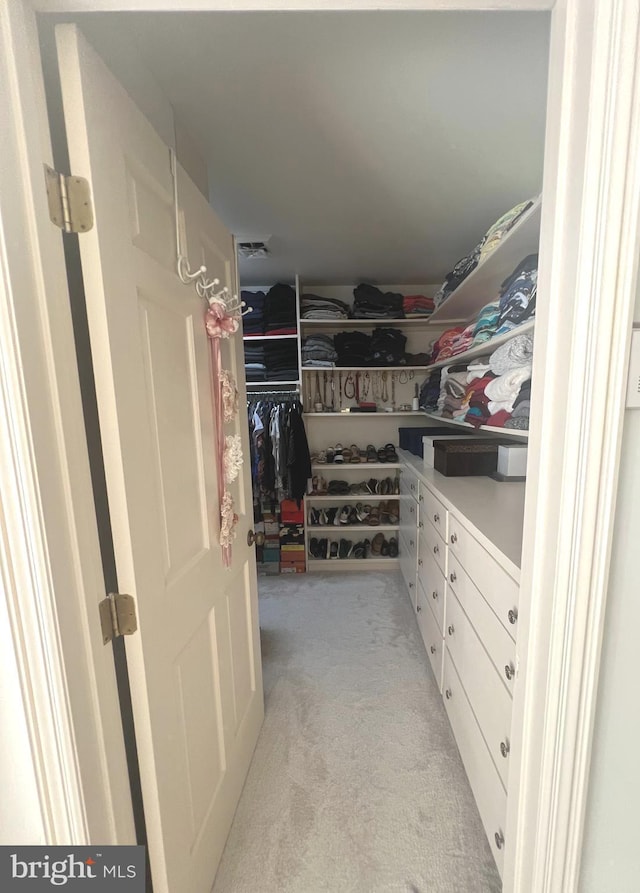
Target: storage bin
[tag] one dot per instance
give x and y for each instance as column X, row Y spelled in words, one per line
column 465, row 457
column 411, row 438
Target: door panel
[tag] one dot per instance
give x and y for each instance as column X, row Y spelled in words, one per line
column 194, row 664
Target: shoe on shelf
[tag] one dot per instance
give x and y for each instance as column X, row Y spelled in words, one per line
column 384, row 513
column 361, row 513
column 322, row 486
column 393, row 547
column 396, row 485
column 344, row 514
column 390, row 452
column 358, row 550
column 337, row 453
column 315, row 482
column 374, row 517
column 345, row 549
column 353, row 516
column 374, row 485
column 333, row 553
column 367, row 548
column 337, row 488
column 384, row 487
column 376, row 543
column 313, row 547
column 382, row 455
column 393, row 510
column 330, row 454
column 320, row 458
column 323, row 547
column 372, row 455
column 314, row 517
column 384, row 549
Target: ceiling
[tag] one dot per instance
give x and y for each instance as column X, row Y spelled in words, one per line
column 374, row 146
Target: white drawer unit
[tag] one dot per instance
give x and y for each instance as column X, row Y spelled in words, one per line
column 431, row 544
column 434, row 585
column 485, row 782
column 431, row 636
column 497, row 642
column 408, row 564
column 499, row 589
column 489, row 699
column 432, row 510
column 408, row 518
column 409, row 485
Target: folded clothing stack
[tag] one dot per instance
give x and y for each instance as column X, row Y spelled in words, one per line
column 318, row 350
column 430, row 391
column 281, row 361
column 518, row 296
column 443, row 348
column 254, row 362
column 319, row 307
column 353, row 349
column 452, row 391
column 253, row 320
column 486, row 323
column 280, row 310
column 387, row 347
column 370, row 303
column 417, row 305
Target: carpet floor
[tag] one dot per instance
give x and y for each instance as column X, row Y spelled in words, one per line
column 356, row 785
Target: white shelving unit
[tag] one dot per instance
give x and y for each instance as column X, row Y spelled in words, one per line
column 505, row 432
column 484, row 349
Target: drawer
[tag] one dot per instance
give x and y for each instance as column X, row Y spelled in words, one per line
column 498, row 643
column 499, row 589
column 409, row 484
column 408, row 566
column 408, row 518
column 432, row 510
column 431, row 636
column 433, row 584
column 487, row 788
column 489, row 699
column 431, row 544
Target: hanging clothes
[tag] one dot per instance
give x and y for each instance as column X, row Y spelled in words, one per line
column 280, row 458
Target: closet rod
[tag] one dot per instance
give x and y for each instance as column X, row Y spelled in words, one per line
column 258, row 395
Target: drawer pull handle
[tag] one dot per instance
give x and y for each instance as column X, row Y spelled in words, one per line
column 505, row 747
column 509, row 671
column 432, row 649
column 452, row 576
column 411, row 543
column 448, row 694
column 410, row 585
column 434, row 595
column 499, row 839
column 450, row 629
column 419, row 562
column 435, row 550
column 420, row 523
column 513, row 615
column 421, row 498
column 436, row 518
column 411, row 510
column 453, row 538
column 413, row 486
column 418, row 608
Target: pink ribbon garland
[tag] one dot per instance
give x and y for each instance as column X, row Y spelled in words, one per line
column 220, row 325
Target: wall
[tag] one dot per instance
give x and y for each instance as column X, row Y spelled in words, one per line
column 611, row 850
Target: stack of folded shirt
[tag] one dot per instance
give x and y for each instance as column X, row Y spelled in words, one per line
column 459, row 273
column 417, row 305
column 430, row 391
column 318, row 307
column 478, row 402
column 518, row 351
column 387, row 347
column 370, row 303
column 253, row 321
column 254, row 365
column 462, row 341
column 500, row 228
column 281, row 361
column 318, row 350
column 442, row 349
column 452, row 391
column 486, row 323
column 504, row 390
column 353, row 349
column 280, row 311
column 521, row 408
column 518, row 296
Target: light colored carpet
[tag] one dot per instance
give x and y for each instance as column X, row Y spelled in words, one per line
column 356, row 785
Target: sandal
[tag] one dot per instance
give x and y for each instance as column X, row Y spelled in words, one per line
column 393, row 510
column 390, row 452
column 374, row 517
column 382, row 455
column 372, row 455
column 393, row 547
column 355, row 454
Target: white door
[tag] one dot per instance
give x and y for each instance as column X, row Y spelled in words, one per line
column 194, row 665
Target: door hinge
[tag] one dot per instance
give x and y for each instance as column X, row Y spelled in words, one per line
column 117, row 616
column 70, row 205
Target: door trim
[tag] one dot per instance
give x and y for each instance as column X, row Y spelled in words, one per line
column 589, row 226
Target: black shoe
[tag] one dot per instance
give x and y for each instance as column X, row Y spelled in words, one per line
column 334, row 550
column 345, row 549
column 384, row 549
column 393, row 547
column 367, row 548
column 313, row 547
column 358, row 550
column 323, row 548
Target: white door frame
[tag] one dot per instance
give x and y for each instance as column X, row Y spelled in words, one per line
column 590, row 231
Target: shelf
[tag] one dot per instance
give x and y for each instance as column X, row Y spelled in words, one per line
column 269, row 337
column 483, row 283
column 505, row 432
column 359, row 415
column 349, row 564
column 368, row 498
column 372, row 466
column 484, row 349
column 363, row 368
column 343, row 529
column 418, row 322
column 267, row 385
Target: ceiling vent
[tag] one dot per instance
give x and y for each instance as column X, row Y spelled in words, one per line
column 252, row 250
